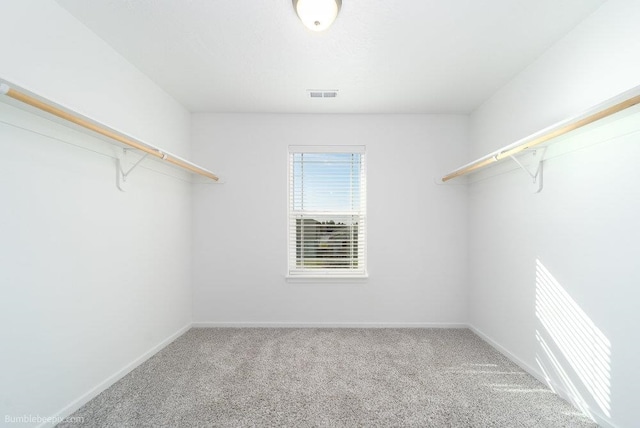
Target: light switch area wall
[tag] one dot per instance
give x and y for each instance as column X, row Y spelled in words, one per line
column 554, row 276
column 416, row 229
column 91, row 279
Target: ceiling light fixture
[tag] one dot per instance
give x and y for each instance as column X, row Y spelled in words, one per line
column 317, row 15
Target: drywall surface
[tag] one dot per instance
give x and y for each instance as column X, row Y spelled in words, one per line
column 91, row 278
column 416, row 229
column 594, row 62
column 554, row 276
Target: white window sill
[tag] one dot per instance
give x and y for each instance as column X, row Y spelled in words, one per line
column 326, row 278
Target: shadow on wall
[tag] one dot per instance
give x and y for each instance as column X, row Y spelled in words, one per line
column 572, row 353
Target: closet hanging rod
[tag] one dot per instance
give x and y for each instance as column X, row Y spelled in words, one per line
column 608, row 108
column 40, row 103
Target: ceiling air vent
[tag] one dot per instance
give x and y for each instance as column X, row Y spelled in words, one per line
column 322, row 93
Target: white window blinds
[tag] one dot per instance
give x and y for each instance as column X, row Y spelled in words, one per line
column 327, row 211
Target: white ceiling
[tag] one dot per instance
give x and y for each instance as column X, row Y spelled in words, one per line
column 384, row 56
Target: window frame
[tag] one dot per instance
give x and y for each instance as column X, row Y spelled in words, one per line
column 294, row 273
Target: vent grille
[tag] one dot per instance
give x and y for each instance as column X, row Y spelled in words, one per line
column 322, row 93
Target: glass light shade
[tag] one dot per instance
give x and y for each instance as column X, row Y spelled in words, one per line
column 317, row 15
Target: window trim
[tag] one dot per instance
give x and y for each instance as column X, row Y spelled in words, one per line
column 343, row 275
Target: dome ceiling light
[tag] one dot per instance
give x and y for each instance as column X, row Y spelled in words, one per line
column 317, row 15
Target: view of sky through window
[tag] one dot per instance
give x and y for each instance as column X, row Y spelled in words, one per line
column 325, row 182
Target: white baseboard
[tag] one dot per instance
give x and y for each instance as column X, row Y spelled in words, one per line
column 216, row 324
column 504, row 351
column 90, row 395
column 599, row 418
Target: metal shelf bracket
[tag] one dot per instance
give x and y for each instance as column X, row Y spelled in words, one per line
column 122, row 168
column 536, row 175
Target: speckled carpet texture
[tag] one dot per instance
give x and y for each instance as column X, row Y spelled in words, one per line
column 329, row 378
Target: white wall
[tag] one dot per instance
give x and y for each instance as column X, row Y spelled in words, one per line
column 90, row 278
column 595, row 61
column 417, row 230
column 554, row 275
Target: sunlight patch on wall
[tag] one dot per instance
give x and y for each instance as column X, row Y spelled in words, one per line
column 571, row 344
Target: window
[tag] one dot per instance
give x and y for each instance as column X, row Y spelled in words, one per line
column 327, row 211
